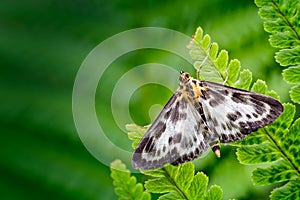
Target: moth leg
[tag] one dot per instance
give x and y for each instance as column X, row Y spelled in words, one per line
column 215, row 147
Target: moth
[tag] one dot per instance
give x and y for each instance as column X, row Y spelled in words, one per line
column 199, row 116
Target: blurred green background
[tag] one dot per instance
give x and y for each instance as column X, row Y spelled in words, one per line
column 42, row 45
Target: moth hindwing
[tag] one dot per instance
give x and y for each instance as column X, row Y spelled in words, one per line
column 199, row 115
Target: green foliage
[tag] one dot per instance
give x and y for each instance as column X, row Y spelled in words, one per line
column 280, row 141
column 41, row 154
column 277, row 145
column 281, row 20
column 292, row 76
column 180, row 183
column 213, row 66
column 125, row 185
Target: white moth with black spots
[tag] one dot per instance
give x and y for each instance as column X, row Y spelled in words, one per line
column 199, row 115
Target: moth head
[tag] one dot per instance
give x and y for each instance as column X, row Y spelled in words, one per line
column 184, row 76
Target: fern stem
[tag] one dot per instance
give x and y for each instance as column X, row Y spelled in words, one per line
column 282, row 152
column 174, row 183
column 286, row 19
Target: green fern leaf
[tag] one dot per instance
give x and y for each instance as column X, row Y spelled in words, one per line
column 278, row 172
column 288, row 57
column 198, row 186
column 259, row 86
column 213, row 66
column 125, row 185
column 289, row 191
column 171, row 196
column 180, row 183
column 273, row 94
column 257, row 154
column 244, row 80
column 292, row 75
column 214, row 193
column 295, row 94
column 282, row 21
column 233, row 70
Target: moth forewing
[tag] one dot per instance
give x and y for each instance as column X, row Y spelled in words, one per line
column 234, row 113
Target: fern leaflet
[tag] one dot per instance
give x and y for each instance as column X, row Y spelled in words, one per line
column 125, row 185
column 282, row 21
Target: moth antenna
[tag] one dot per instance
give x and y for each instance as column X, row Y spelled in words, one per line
column 203, row 62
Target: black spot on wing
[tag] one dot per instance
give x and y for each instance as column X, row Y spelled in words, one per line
column 256, row 102
column 164, row 148
column 183, row 104
column 146, row 146
column 194, row 138
column 205, row 95
column 239, row 98
column 189, row 155
column 150, row 144
column 160, row 128
column 182, row 116
column 158, row 153
column 167, row 114
column 276, row 106
column 217, row 95
column 238, row 113
column 174, row 154
column 228, row 125
column 175, row 113
column 177, row 137
column 224, row 92
column 231, row 116
column 230, row 137
column 213, row 103
column 170, row 139
column 215, row 122
column 223, row 126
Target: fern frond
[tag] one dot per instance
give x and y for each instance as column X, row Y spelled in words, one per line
column 180, row 183
column 213, row 65
column 277, row 144
column 125, row 185
column 282, row 21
